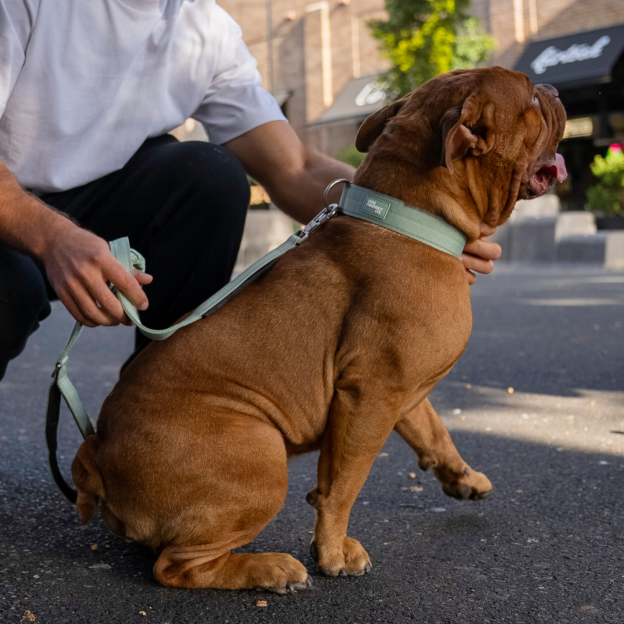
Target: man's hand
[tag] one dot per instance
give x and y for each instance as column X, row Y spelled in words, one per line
column 79, row 264
column 479, row 256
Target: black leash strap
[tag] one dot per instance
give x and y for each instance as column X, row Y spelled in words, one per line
column 52, row 420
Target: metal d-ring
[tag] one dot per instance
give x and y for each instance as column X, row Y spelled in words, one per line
column 330, row 187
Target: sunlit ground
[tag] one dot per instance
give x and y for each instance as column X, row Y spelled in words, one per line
column 592, row 421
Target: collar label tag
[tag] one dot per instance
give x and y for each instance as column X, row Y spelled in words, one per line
column 375, row 207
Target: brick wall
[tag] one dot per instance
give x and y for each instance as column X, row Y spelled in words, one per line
column 481, row 9
column 297, row 48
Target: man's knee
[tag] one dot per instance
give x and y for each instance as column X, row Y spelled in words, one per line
column 23, row 303
column 215, row 175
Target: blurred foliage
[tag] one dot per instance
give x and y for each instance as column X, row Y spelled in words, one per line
column 424, row 38
column 473, row 47
column 608, row 195
column 351, row 156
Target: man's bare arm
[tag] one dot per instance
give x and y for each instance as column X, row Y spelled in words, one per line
column 78, row 263
column 296, row 177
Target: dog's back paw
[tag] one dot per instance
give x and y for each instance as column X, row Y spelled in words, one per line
column 187, row 567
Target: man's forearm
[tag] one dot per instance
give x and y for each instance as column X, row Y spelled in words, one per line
column 294, row 176
column 300, row 194
column 78, row 264
column 26, row 223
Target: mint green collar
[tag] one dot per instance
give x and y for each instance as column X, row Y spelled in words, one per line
column 393, row 214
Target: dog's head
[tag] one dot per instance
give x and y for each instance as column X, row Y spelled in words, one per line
column 466, row 145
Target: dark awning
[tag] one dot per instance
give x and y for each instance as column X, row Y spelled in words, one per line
column 575, row 60
column 358, row 99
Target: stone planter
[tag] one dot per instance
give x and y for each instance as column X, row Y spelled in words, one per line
column 605, row 249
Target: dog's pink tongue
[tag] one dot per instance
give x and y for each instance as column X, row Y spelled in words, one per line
column 562, row 174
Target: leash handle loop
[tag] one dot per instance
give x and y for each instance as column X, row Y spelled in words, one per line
column 52, row 419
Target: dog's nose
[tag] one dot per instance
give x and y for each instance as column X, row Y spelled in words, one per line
column 548, row 88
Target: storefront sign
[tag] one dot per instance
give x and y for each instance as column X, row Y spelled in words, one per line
column 359, row 98
column 551, row 56
column 575, row 60
column 370, row 94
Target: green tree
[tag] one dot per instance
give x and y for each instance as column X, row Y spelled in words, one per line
column 608, row 194
column 424, row 38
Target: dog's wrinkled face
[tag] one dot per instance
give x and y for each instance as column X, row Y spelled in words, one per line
column 549, row 167
column 484, row 137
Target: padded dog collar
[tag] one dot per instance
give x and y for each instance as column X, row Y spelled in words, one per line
column 393, row 214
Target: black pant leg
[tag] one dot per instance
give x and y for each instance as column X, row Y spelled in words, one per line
column 183, row 206
column 23, row 303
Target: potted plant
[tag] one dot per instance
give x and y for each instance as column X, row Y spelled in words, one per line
column 606, row 198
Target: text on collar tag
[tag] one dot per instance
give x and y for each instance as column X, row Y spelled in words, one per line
column 375, row 207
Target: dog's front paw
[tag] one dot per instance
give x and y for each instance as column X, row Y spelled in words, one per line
column 341, row 558
column 468, row 485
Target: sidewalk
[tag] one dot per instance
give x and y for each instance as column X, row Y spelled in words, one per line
column 547, row 547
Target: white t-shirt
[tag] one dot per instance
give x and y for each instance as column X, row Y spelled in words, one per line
column 84, row 82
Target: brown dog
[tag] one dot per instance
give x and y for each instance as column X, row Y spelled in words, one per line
column 340, row 343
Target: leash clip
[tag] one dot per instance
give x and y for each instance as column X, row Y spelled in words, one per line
column 330, row 210
column 327, row 213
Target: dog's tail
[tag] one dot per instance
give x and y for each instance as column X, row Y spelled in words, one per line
column 87, row 479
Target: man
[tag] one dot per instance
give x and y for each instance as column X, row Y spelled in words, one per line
column 88, row 93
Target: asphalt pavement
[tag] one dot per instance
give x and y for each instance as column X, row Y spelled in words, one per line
column 536, row 403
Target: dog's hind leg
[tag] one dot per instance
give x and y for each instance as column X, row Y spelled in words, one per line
column 423, row 430
column 194, row 566
column 233, row 483
column 87, row 478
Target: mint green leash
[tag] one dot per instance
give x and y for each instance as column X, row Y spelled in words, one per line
column 132, row 259
column 355, row 201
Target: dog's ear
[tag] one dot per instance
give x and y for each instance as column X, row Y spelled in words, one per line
column 374, row 124
column 466, row 128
